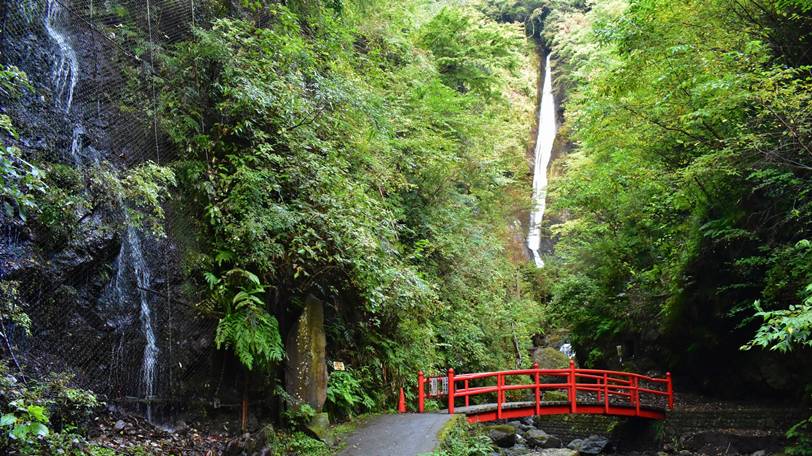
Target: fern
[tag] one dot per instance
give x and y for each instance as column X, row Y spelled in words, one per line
column 253, row 334
column 245, row 327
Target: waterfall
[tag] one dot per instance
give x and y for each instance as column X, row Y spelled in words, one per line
column 131, row 259
column 65, row 73
column 544, row 149
column 76, row 144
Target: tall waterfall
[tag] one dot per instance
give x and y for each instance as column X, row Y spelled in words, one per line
column 131, row 259
column 544, row 148
column 65, row 73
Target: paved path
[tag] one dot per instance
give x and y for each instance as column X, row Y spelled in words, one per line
column 410, row 434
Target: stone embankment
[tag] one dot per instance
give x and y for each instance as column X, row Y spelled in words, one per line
column 697, row 426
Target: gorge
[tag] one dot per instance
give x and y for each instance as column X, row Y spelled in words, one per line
column 231, row 224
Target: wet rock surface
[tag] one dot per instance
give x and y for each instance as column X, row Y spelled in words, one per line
column 594, row 444
column 502, row 435
column 306, row 352
column 527, row 438
column 131, row 434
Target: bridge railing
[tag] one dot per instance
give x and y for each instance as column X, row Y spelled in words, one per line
column 609, row 389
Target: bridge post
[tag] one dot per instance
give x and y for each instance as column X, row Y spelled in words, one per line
column 573, row 392
column 636, row 395
column 538, row 388
column 467, row 397
column 451, row 391
column 670, row 391
column 606, row 393
column 499, row 399
column 420, row 392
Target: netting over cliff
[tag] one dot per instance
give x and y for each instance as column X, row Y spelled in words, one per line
column 104, row 305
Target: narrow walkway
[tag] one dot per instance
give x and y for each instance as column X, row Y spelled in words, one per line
column 410, row 434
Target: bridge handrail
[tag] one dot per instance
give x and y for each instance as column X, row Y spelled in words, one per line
column 606, row 383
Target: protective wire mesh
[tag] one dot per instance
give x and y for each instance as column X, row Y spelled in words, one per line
column 93, row 107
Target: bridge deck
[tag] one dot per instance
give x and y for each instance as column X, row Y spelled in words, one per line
column 488, row 412
column 588, row 391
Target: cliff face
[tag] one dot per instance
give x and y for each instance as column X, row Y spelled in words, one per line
column 105, row 300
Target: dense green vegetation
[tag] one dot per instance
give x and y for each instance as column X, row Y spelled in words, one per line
column 364, row 155
column 685, row 204
column 374, row 156
column 687, row 197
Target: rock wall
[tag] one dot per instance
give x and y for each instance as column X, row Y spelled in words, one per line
column 81, row 283
column 306, row 368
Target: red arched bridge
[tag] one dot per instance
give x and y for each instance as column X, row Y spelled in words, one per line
column 526, row 392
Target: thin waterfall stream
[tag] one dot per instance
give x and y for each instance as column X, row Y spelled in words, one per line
column 131, row 259
column 133, row 275
column 547, row 130
column 65, row 73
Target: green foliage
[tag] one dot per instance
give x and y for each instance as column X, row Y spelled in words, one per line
column 36, row 417
column 345, row 394
column 688, row 190
column 800, row 436
column 145, row 188
column 784, row 329
column 245, row 325
column 469, row 54
column 355, row 153
column 464, row 439
column 299, row 416
column 22, row 181
column 11, row 308
column 530, row 12
column 300, row 443
column 25, row 422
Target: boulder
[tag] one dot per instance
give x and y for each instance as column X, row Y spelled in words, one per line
column 319, row 427
column 553, row 442
column 554, row 452
column 502, row 435
column 520, row 425
column 536, row 438
column 550, row 358
column 718, row 442
column 240, row 446
column 306, row 369
column 266, row 437
column 594, row 444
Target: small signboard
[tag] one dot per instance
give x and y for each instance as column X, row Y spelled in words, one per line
column 438, row 386
column 338, row 365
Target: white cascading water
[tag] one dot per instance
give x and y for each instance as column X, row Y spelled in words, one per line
column 65, row 73
column 547, row 130
column 64, row 77
column 131, row 258
column 76, row 144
